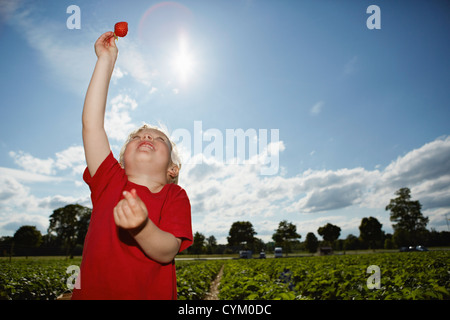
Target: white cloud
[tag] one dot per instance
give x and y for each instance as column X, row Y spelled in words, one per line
column 64, row 55
column 10, row 188
column 59, row 201
column 135, row 63
column 117, row 118
column 21, row 219
column 26, row 176
column 153, row 90
column 221, row 193
column 16, row 202
column 329, row 190
column 350, row 66
column 117, row 74
column 69, row 54
column 19, row 206
column 430, row 161
column 317, row 108
column 32, row 164
column 70, row 158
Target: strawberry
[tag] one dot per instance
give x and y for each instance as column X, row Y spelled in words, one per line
column 120, row 29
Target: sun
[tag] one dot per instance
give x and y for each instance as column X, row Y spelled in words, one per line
column 183, row 62
column 183, row 65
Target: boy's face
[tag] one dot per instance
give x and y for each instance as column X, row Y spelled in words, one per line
column 148, row 147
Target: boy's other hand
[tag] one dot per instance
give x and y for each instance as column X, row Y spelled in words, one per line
column 131, row 213
column 105, row 46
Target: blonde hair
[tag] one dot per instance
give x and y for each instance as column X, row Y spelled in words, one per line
column 174, row 156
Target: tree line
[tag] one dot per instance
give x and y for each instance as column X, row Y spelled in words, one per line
column 68, row 227
column 409, row 226
column 65, row 235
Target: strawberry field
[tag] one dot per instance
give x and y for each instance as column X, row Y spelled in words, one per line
column 34, row 279
column 412, row 275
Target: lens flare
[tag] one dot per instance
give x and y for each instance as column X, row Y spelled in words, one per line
column 163, row 22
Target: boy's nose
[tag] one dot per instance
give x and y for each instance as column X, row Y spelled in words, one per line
column 149, row 137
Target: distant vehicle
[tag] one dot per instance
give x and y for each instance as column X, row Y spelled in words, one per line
column 278, row 252
column 245, row 254
column 412, row 248
column 324, row 251
column 262, row 255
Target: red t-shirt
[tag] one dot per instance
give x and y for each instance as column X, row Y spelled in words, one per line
column 113, row 265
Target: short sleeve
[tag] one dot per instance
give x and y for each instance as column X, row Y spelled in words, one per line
column 108, row 171
column 176, row 217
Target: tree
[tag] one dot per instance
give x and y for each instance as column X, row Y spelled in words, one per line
column 370, row 231
column 199, row 243
column 388, row 242
column 410, row 224
column 351, row 243
column 258, row 245
column 311, row 242
column 241, row 235
column 6, row 246
column 211, row 244
column 26, row 238
column 285, row 234
column 329, row 233
column 69, row 224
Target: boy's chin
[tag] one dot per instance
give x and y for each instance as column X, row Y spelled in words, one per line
column 143, row 155
column 143, row 161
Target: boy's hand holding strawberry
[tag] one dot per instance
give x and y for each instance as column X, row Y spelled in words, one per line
column 105, row 46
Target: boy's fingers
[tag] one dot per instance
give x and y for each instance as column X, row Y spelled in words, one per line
column 143, row 206
column 105, row 36
column 120, row 208
column 112, row 41
column 127, row 211
column 132, row 194
column 131, row 197
column 123, row 208
column 116, row 216
column 107, row 39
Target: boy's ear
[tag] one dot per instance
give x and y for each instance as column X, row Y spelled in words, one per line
column 173, row 171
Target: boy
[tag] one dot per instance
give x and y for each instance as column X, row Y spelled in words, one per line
column 140, row 219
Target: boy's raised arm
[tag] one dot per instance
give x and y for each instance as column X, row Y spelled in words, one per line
column 95, row 141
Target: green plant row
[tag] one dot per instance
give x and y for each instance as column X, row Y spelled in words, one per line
column 194, row 278
column 415, row 275
column 34, row 279
column 46, row 278
column 411, row 275
column 254, row 280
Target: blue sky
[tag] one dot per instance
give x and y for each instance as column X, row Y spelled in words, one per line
column 360, row 113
